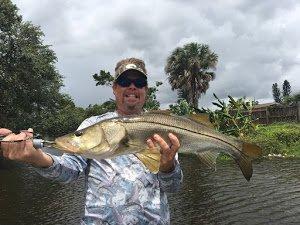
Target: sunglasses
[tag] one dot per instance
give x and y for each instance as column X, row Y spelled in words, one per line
column 125, row 82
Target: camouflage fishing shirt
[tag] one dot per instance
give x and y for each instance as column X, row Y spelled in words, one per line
column 119, row 190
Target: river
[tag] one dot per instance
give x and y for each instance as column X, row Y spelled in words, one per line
column 207, row 197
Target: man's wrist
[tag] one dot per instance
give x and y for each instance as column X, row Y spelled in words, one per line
column 42, row 160
column 167, row 168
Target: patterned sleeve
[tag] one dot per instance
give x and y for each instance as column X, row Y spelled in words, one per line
column 65, row 168
column 171, row 182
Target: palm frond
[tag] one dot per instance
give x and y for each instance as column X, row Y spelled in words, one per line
column 188, row 72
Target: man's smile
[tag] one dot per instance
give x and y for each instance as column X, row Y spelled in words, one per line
column 131, row 96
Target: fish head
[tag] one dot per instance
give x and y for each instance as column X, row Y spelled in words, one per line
column 82, row 141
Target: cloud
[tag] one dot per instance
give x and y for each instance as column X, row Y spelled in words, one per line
column 256, row 41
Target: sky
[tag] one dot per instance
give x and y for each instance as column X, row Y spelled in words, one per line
column 257, row 42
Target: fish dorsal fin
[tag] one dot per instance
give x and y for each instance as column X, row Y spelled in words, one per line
column 202, row 118
column 208, row 158
column 150, row 158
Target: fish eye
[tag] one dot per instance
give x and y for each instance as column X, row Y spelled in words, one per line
column 78, row 133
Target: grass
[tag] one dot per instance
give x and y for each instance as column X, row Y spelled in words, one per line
column 278, row 138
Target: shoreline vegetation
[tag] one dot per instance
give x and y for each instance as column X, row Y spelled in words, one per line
column 278, row 140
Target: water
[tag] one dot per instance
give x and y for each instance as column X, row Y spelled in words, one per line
column 225, row 197
column 207, row 197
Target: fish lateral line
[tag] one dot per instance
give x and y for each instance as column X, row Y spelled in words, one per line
column 182, row 128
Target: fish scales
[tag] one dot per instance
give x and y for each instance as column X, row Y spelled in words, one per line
column 143, row 127
column 128, row 135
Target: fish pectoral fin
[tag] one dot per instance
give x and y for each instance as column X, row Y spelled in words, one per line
column 209, row 158
column 150, row 158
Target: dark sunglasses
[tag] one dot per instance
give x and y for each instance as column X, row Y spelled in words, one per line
column 125, row 82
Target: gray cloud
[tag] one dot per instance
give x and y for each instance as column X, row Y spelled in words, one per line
column 257, row 41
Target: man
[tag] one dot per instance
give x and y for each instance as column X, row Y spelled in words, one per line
column 119, row 190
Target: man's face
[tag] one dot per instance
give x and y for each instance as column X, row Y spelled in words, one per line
column 130, row 100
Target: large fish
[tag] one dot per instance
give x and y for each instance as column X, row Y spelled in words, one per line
column 128, row 135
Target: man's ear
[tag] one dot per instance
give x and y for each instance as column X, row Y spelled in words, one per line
column 114, row 86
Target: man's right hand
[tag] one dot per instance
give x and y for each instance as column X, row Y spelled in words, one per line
column 20, row 148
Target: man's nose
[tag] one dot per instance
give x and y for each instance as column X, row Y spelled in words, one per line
column 132, row 86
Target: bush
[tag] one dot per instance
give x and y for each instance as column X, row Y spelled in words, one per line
column 279, row 138
column 233, row 118
column 181, row 108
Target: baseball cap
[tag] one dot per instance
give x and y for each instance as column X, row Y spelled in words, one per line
column 130, row 64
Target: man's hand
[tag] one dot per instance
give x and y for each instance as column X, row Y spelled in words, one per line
column 4, row 131
column 168, row 152
column 19, row 147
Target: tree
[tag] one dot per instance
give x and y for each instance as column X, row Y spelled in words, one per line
column 151, row 100
column 104, row 78
column 286, row 89
column 28, row 76
column 276, row 93
column 93, row 110
column 65, row 119
column 189, row 70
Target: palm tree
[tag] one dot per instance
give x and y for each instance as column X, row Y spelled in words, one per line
column 189, row 70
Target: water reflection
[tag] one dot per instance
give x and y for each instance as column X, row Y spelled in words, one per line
column 223, row 197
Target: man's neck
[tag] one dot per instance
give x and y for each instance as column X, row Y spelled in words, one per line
column 127, row 113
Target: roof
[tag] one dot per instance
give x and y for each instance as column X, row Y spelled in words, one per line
column 265, row 105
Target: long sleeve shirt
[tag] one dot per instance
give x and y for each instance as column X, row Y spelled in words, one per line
column 119, row 190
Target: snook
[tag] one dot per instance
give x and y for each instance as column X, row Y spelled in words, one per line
column 128, row 135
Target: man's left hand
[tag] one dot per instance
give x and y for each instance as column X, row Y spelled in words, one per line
column 168, row 152
column 4, row 132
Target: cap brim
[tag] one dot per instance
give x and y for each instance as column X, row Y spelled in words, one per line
column 142, row 73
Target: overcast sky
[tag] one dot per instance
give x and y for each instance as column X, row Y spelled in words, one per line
column 257, row 41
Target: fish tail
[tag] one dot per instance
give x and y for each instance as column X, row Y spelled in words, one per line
column 245, row 164
column 249, row 152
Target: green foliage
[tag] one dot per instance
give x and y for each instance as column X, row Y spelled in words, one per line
column 276, row 93
column 280, row 138
column 286, row 97
column 286, row 89
column 94, row 110
column 189, row 70
column 66, row 119
column 151, row 101
column 296, row 97
column 233, row 118
column 8, row 16
column 28, row 76
column 104, row 78
column 181, row 108
column 293, row 99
